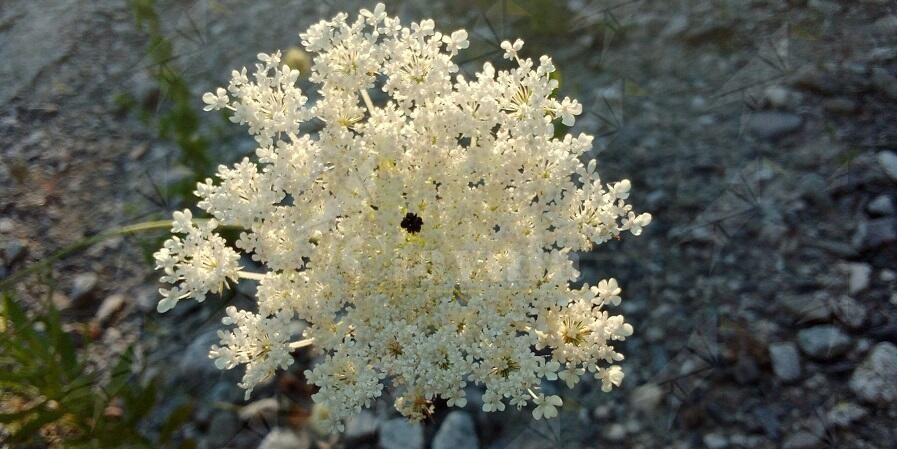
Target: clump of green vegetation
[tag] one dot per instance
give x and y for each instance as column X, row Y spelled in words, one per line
column 50, row 398
column 177, row 119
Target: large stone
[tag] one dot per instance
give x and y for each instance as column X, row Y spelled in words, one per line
column 888, row 162
column 785, row 361
column 456, row 432
column 875, row 380
column 823, row 342
column 647, row 397
column 850, row 312
column 615, row 432
column 715, row 441
column 36, row 37
column 14, row 250
column 400, row 433
column 881, row 205
column 845, row 413
column 361, row 426
column 195, row 363
column 83, row 288
column 859, row 276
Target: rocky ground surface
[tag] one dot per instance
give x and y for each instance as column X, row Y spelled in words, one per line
column 760, row 134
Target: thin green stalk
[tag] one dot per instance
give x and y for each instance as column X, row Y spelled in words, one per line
column 81, row 245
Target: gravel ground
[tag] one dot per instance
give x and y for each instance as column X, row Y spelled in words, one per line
column 760, row 134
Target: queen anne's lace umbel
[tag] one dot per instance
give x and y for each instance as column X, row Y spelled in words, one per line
column 424, row 240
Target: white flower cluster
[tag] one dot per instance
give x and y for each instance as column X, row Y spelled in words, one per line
column 424, row 240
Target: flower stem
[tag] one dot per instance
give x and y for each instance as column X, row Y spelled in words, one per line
column 85, row 243
column 302, row 343
column 80, row 245
column 367, row 100
column 251, row 275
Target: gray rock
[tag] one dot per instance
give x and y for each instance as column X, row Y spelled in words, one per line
column 37, row 37
column 399, row 433
column 860, row 274
column 110, row 306
column 456, row 432
column 195, row 362
column 785, row 361
column 850, row 312
column 881, row 205
column 83, row 288
column 875, row 233
column 7, row 225
column 823, row 342
column 888, row 162
column 802, row 439
column 280, row 438
column 360, row 426
column 715, row 441
column 647, row 397
column 14, row 251
column 777, row 96
column 846, row 413
column 875, row 380
column 616, row 432
column 773, row 125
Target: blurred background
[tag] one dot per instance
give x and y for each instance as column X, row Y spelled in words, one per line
column 760, row 134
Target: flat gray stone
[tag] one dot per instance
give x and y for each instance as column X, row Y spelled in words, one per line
column 859, row 276
column 362, row 425
column 881, row 205
column 846, row 413
column 888, row 162
column 785, row 361
column 456, row 432
column 715, row 441
column 195, row 362
column 647, row 397
column 34, row 36
column 83, row 288
column 400, row 433
column 823, row 342
column 850, row 312
column 875, row 380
